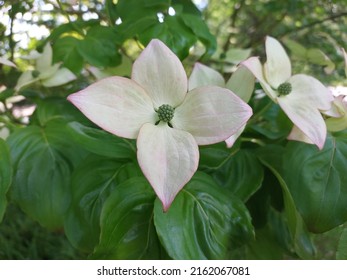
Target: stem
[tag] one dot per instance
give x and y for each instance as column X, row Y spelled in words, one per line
column 12, row 43
column 237, row 8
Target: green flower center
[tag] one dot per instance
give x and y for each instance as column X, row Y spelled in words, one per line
column 35, row 73
column 165, row 112
column 284, row 89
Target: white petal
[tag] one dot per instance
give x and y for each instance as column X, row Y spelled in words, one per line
column 307, row 118
column 44, row 61
column 297, row 135
column 242, row 83
column 168, row 158
column 116, row 104
column 61, row 77
column 25, row 79
column 211, row 114
column 303, row 105
column 49, row 72
column 253, row 64
column 7, row 62
column 232, row 139
column 203, row 75
column 311, row 92
column 277, row 68
column 159, row 71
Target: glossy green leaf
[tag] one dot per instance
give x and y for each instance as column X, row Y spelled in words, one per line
column 317, row 181
column 56, row 108
column 151, row 19
column 265, row 246
column 75, row 26
column 174, row 33
column 92, row 182
column 213, row 157
column 66, row 50
column 200, row 29
column 43, row 161
column 271, row 157
column 242, row 174
column 271, row 121
column 127, row 227
column 5, row 176
column 101, row 142
column 203, row 221
column 341, row 253
column 100, row 46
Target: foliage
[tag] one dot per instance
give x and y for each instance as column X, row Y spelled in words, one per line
column 77, row 185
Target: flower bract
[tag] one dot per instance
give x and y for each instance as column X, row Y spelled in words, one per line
column 241, row 83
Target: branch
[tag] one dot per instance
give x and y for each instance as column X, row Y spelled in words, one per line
column 332, row 17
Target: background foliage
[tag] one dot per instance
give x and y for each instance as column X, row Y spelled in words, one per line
column 75, row 191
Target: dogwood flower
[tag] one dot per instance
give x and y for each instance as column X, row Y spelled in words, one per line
column 301, row 97
column 49, row 75
column 168, row 122
column 241, row 83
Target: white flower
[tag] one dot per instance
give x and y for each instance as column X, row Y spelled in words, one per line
column 300, row 96
column 168, row 122
column 49, row 75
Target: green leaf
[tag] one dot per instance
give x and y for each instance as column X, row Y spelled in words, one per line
column 101, row 142
column 297, row 49
column 271, row 157
column 71, row 27
column 271, row 122
column 201, row 31
column 66, row 50
column 43, row 161
column 265, row 246
column 56, row 108
column 100, row 46
column 174, row 33
column 242, row 174
column 127, row 227
column 317, row 181
column 179, row 32
column 318, row 57
column 203, row 221
column 92, row 182
column 5, row 176
column 236, row 55
column 341, row 253
column 214, row 156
